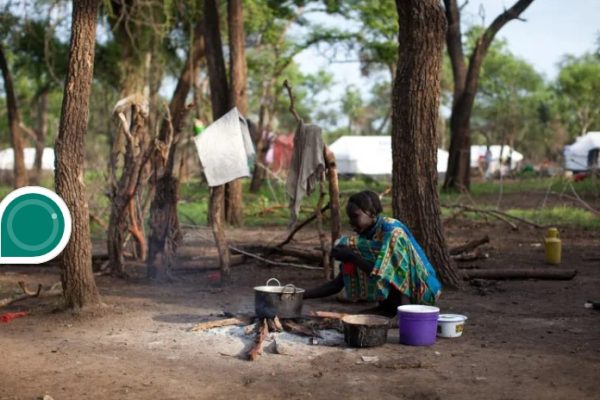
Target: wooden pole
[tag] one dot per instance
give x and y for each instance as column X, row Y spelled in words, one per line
column 216, row 210
column 334, row 202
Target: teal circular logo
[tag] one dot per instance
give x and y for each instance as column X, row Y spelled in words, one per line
column 35, row 226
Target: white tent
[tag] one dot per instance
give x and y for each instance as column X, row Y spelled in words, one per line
column 576, row 154
column 478, row 155
column 7, row 158
column 370, row 155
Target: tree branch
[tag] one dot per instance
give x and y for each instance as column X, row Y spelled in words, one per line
column 292, row 109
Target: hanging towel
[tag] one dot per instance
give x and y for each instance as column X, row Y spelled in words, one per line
column 307, row 166
column 225, row 149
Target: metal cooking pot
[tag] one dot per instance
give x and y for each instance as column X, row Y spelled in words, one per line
column 281, row 301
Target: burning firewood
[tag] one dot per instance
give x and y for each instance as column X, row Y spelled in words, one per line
column 219, row 323
column 277, row 323
column 273, row 327
column 300, row 329
column 261, row 335
column 253, row 327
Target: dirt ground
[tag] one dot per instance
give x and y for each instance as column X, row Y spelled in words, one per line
column 523, row 340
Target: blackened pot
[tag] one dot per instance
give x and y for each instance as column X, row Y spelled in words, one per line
column 365, row 330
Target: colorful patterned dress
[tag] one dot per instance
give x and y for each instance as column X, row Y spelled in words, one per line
column 399, row 264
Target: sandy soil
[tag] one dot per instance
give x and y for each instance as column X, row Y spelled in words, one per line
column 523, row 340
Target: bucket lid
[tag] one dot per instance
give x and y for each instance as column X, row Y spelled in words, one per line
column 417, row 308
column 451, row 318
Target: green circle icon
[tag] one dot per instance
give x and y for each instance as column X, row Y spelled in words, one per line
column 32, row 225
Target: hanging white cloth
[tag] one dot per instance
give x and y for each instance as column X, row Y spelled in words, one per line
column 225, row 149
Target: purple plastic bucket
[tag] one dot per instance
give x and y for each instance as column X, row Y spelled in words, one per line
column 417, row 324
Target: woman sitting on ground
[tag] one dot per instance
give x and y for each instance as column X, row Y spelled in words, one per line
column 382, row 263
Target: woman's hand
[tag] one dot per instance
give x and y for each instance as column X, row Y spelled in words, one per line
column 343, row 253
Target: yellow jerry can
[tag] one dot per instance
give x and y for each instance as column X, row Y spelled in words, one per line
column 552, row 246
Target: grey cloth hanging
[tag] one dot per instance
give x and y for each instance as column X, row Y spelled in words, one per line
column 307, row 166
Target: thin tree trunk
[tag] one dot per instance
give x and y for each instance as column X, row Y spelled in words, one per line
column 237, row 63
column 40, row 135
column 219, row 90
column 14, row 122
column 219, row 96
column 415, row 102
column 79, row 288
column 466, row 81
column 334, row 202
column 234, row 209
column 237, row 55
column 217, row 194
column 262, row 145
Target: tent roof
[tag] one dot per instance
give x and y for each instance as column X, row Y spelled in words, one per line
column 352, row 146
column 479, row 150
column 585, row 143
column 370, row 155
column 7, row 158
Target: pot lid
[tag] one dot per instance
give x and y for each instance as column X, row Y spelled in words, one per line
column 417, row 308
column 451, row 318
column 279, row 289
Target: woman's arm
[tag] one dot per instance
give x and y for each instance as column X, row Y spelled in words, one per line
column 326, row 289
column 346, row 254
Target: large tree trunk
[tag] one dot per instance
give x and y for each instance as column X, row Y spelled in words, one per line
column 14, row 122
column 237, row 63
column 165, row 234
column 79, row 288
column 415, row 102
column 466, row 81
column 219, row 96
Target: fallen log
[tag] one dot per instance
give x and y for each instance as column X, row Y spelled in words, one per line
column 261, row 335
column 471, row 256
column 220, row 323
column 271, row 262
column 502, row 216
column 520, row 273
column 26, row 295
column 303, row 253
column 469, row 246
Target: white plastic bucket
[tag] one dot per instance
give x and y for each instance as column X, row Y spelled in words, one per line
column 450, row 325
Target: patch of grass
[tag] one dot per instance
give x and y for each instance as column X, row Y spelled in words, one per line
column 269, row 207
column 565, row 216
column 193, row 213
column 557, row 184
